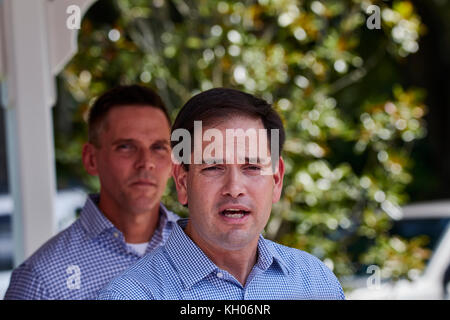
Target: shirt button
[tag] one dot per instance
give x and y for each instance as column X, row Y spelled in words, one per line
column 219, row 274
column 116, row 234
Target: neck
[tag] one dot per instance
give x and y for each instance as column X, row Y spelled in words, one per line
column 136, row 227
column 238, row 262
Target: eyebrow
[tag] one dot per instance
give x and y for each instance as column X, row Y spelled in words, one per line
column 162, row 141
column 119, row 141
column 248, row 160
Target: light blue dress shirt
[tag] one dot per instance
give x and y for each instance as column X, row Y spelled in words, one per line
column 79, row 261
column 180, row 270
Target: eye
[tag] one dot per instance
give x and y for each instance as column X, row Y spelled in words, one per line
column 212, row 170
column 125, row 146
column 253, row 168
column 160, row 147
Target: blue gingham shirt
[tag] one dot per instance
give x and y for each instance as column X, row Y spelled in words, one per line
column 79, row 261
column 180, row 270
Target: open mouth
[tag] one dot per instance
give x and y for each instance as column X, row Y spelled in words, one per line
column 234, row 213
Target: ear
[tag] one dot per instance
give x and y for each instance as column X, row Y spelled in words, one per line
column 179, row 175
column 278, row 181
column 89, row 159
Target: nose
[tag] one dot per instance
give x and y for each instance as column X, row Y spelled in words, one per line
column 233, row 183
column 145, row 160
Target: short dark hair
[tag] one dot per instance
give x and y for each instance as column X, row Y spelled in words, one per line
column 130, row 95
column 217, row 103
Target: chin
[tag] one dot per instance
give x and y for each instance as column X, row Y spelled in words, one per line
column 143, row 205
column 236, row 240
column 143, row 196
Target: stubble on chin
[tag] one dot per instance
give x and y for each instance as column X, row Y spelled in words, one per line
column 236, row 239
column 140, row 204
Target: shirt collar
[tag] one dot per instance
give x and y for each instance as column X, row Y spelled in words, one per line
column 267, row 255
column 95, row 222
column 193, row 265
column 92, row 219
column 169, row 215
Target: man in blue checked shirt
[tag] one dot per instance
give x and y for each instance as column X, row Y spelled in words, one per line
column 129, row 150
column 229, row 188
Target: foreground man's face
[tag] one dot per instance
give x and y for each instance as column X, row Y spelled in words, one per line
column 230, row 203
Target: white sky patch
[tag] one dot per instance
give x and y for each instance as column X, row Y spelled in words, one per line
column 114, row 35
column 301, row 81
column 340, row 66
column 318, row 8
column 300, row 34
column 240, row 74
column 234, row 36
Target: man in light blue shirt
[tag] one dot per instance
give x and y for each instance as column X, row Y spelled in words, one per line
column 129, row 150
column 229, row 182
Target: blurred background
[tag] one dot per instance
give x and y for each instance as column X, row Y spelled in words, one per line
column 366, row 111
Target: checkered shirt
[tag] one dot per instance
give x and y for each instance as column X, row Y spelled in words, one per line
column 180, row 270
column 79, row 261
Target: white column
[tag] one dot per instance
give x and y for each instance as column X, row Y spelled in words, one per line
column 35, row 44
column 29, row 92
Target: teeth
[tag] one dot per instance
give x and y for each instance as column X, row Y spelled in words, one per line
column 234, row 215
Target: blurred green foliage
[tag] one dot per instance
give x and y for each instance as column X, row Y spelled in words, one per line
column 350, row 124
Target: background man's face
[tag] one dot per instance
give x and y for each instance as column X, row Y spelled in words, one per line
column 133, row 161
column 229, row 204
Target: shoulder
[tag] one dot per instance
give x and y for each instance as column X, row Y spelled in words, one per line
column 30, row 277
column 57, row 248
column 125, row 288
column 310, row 269
column 25, row 284
column 296, row 257
column 140, row 281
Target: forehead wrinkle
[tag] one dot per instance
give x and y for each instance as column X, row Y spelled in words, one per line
column 157, row 134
